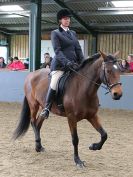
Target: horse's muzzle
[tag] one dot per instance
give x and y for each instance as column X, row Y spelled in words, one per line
column 116, row 91
column 116, row 96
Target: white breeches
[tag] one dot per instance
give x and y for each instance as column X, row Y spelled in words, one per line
column 55, row 75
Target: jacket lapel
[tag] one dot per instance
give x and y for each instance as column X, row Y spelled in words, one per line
column 68, row 35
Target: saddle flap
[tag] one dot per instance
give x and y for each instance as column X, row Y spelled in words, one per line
column 60, row 90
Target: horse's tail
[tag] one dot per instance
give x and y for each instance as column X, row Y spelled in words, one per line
column 24, row 121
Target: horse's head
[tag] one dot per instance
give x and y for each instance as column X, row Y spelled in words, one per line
column 110, row 75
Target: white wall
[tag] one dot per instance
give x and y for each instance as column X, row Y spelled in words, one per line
column 46, row 47
column 3, row 52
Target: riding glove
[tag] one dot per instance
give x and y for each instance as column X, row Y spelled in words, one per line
column 75, row 66
column 71, row 65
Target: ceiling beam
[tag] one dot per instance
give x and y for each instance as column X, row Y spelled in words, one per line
column 119, row 24
column 48, row 2
column 53, row 15
column 22, row 2
column 11, row 32
column 15, row 3
column 14, row 25
column 93, row 25
column 78, row 19
column 27, row 25
column 115, row 8
column 97, row 13
column 85, row 1
column 16, row 12
column 87, row 14
column 115, row 31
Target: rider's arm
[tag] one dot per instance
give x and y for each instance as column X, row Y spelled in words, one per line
column 78, row 50
column 57, row 49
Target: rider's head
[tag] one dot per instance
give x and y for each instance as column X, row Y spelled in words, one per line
column 63, row 17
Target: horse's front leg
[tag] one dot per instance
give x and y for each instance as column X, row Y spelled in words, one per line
column 36, row 125
column 75, row 141
column 96, row 124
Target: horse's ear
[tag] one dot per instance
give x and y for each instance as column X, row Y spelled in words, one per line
column 103, row 54
column 116, row 53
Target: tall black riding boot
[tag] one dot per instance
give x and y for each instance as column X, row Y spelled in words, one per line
column 49, row 100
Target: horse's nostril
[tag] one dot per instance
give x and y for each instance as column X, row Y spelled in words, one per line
column 117, row 96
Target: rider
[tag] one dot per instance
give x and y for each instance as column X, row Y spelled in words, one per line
column 68, row 54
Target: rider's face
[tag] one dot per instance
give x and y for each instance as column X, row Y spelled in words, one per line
column 65, row 21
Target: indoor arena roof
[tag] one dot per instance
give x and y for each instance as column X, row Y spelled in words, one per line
column 89, row 16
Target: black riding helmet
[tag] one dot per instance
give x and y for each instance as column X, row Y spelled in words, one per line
column 63, row 13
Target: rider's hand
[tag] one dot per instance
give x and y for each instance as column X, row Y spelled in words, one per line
column 75, row 66
column 69, row 65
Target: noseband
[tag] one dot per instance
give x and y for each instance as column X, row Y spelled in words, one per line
column 105, row 80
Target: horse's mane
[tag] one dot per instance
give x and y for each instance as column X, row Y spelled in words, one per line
column 86, row 61
column 90, row 60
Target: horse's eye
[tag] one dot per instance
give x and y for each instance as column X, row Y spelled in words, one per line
column 109, row 71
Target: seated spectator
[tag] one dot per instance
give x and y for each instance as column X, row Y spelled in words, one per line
column 47, row 61
column 26, row 63
column 124, row 65
column 10, row 60
column 16, row 65
column 130, row 61
column 2, row 62
column 131, row 66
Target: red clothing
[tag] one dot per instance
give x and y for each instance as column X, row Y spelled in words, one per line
column 17, row 65
column 131, row 66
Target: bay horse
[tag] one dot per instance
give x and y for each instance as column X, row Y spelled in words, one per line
column 80, row 99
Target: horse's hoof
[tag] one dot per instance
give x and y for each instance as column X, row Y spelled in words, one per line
column 41, row 149
column 95, row 147
column 79, row 163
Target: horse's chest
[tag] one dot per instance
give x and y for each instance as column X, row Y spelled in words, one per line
column 85, row 112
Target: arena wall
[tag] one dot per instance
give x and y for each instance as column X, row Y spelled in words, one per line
column 12, row 86
column 126, row 101
column 12, row 83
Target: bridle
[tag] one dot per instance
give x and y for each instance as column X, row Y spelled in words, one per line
column 104, row 79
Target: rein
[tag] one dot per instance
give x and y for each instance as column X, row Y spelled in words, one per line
column 107, row 87
column 84, row 76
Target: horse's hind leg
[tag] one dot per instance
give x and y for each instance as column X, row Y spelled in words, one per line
column 36, row 127
column 96, row 124
column 75, row 141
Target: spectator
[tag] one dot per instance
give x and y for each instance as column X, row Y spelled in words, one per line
column 10, row 60
column 26, row 63
column 2, row 62
column 16, row 65
column 47, row 61
column 130, row 61
column 124, row 65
